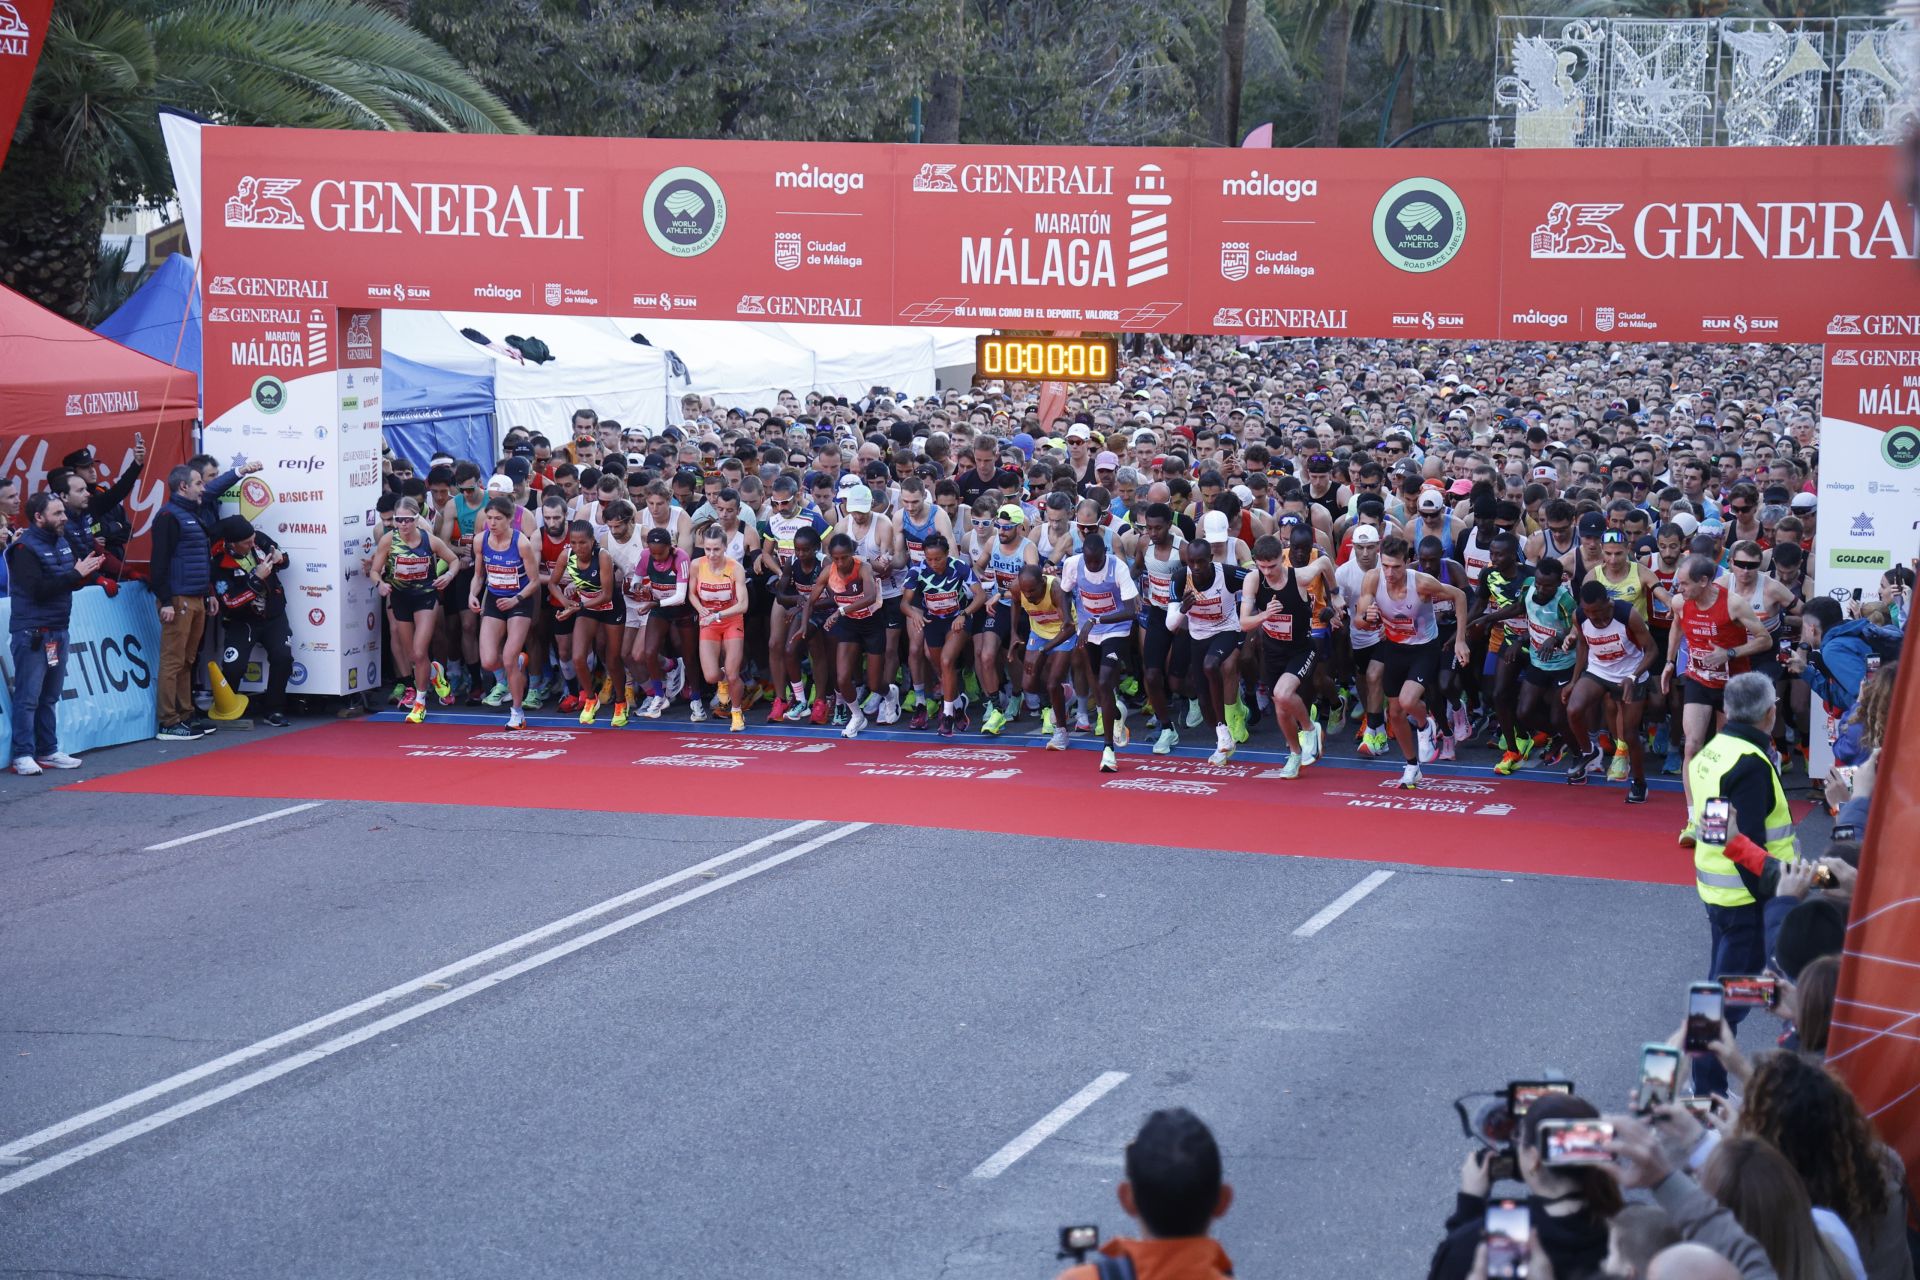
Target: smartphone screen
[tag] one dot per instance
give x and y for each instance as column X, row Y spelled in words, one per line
column 1756, row 992
column 1509, row 1228
column 1706, row 1005
column 1714, row 816
column 1659, row 1071
column 1521, row 1093
column 1700, row 1109
column 1565, row 1142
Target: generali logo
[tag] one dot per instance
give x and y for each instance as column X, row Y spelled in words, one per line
column 85, row 404
column 1881, row 326
column 1788, row 230
column 15, row 35
column 268, row 287
column 463, row 209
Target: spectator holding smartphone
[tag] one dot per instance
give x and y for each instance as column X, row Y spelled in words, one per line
column 1836, row 653
column 1755, row 1181
column 1569, row 1206
column 1647, row 1157
column 1174, row 1190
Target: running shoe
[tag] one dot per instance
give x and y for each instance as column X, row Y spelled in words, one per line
column 516, row 719
column 1168, row 740
column 1193, row 713
column 697, row 710
column 441, row 689
column 995, row 721
column 911, row 700
column 1687, row 835
column 799, row 712
column 1553, row 754
column 619, row 715
column 1236, row 718
column 1637, row 791
column 1620, row 767
column 1291, row 769
column 474, row 695
column 1379, row 740
column 1424, row 736
column 1121, row 734
column 1675, row 758
column 946, row 725
column 1338, row 719
column 498, row 696
column 890, row 705
column 755, row 692
column 650, row 708
column 589, row 710
column 419, row 713
column 779, row 709
column 535, row 696
column 569, row 704
column 920, row 717
column 1582, row 765
column 737, row 721
column 396, row 697
column 1081, row 724
column 1607, row 745
column 1509, row 761
column 963, row 719
column 1046, row 722
column 408, row 696
column 1410, row 777
column 1462, row 728
column 452, row 695
column 1312, row 744
column 1057, row 741
column 821, row 713
column 1660, row 746
column 1445, row 751
column 1364, row 741
column 1129, row 687
column 855, row 723
column 1223, row 745
column 1107, row 762
column 971, row 682
column 676, row 680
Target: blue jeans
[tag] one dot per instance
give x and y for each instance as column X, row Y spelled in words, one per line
column 36, row 691
column 1739, row 947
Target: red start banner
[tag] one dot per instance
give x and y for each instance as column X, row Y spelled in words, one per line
column 1726, row 244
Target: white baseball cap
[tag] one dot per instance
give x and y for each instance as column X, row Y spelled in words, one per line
column 1430, row 500
column 499, row 484
column 1213, row 526
column 1079, row 431
column 859, row 498
column 1365, row 535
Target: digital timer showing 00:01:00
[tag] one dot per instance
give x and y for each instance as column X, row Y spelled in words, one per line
column 1054, row 359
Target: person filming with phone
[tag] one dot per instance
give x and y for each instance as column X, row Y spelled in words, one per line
column 1742, row 821
column 1837, row 653
column 1174, row 1190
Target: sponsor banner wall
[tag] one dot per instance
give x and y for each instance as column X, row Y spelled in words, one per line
column 360, row 439
column 1673, row 244
column 28, row 459
column 112, row 660
column 23, row 30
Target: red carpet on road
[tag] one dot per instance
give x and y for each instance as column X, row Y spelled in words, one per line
column 1506, row 825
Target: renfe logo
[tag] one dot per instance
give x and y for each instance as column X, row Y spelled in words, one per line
column 423, row 208
column 810, row 178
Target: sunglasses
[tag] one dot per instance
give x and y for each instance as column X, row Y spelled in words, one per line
column 1746, row 564
column 1739, row 511
column 405, row 519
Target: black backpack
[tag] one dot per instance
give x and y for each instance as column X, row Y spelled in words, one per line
column 1110, row 1268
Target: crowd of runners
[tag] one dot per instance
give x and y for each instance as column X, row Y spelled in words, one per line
column 1567, row 550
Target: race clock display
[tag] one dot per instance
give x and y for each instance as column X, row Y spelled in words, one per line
column 1053, row 359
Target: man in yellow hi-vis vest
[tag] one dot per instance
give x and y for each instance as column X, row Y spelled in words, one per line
column 1735, row 878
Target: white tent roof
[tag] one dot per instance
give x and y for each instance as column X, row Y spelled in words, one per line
column 731, row 362
column 591, row 368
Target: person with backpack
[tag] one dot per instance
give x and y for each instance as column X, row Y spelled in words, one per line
column 1174, row 1190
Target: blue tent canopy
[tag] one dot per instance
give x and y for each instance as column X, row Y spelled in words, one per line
column 162, row 317
column 427, row 410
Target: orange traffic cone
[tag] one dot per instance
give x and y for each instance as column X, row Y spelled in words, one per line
column 227, row 705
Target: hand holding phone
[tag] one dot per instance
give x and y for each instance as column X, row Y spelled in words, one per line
column 1508, row 1231
column 1659, row 1074
column 1706, row 1008
column 1716, row 817
column 1565, row 1143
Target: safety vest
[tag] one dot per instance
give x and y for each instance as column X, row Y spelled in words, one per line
column 1718, row 879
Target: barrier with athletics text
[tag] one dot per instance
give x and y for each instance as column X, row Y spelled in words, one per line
column 112, row 663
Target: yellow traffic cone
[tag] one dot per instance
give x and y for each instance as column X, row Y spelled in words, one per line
column 227, row 705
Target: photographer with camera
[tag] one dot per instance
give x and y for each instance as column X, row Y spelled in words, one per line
column 1837, row 653
column 1174, row 1190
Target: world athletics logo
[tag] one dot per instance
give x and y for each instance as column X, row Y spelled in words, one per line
column 685, row 211
column 1419, row 224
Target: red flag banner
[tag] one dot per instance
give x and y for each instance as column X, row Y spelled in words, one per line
column 23, row 30
column 1875, row 1042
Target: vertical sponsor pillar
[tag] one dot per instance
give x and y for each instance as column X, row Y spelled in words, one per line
column 273, row 397
column 357, row 339
column 1869, row 473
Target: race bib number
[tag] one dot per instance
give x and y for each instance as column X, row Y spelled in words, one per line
column 1280, row 627
column 1397, row 630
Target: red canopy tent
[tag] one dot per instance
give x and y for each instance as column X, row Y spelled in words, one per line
column 62, row 387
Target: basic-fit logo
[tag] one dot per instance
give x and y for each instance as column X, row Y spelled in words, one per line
column 1419, row 224
column 269, row 394
column 1147, row 236
column 1901, row 447
column 685, row 211
column 262, row 202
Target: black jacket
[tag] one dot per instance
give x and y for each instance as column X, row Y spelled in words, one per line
column 107, row 512
column 1576, row 1243
column 1748, row 787
column 241, row 593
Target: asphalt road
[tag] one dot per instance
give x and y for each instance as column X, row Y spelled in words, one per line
column 775, row 1065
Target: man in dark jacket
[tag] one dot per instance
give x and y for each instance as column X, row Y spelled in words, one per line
column 107, row 504
column 43, row 571
column 1836, row 655
column 183, row 589
column 253, row 610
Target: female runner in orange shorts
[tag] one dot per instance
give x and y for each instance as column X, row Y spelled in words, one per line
column 720, row 602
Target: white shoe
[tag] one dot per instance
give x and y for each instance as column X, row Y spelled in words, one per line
column 59, row 760
column 1058, row 742
column 1193, row 714
column 1081, row 724
column 890, row 705
column 855, row 723
column 1121, row 734
column 676, row 681
column 1223, row 745
column 1168, row 740
column 698, row 712
column 25, row 766
column 1291, row 769
column 1311, row 743
column 1424, row 740
column 1410, row 776
column 516, row 719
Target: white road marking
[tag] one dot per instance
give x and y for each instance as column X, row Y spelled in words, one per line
column 1048, row 1125
column 401, row 991
column 1333, row 910
column 306, row 1057
column 233, row 826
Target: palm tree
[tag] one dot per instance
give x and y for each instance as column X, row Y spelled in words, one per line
column 1410, row 32
column 89, row 135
